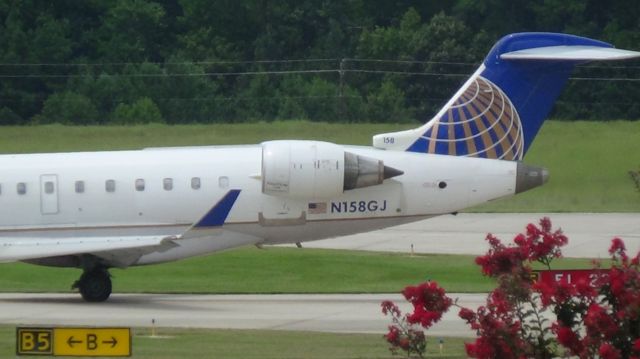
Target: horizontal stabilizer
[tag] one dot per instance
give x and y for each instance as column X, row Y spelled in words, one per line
column 570, row 53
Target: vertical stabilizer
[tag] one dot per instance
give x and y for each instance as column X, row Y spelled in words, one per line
column 501, row 107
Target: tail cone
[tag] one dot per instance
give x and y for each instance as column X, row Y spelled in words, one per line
column 390, row 172
column 529, row 177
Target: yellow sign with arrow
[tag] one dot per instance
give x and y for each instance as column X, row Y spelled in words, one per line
column 76, row 341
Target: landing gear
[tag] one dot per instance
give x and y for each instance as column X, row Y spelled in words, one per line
column 94, row 285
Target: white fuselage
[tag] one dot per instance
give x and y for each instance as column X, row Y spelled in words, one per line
column 164, row 191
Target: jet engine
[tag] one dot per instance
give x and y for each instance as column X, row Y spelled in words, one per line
column 313, row 169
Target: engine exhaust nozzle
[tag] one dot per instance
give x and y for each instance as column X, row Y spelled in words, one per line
column 361, row 171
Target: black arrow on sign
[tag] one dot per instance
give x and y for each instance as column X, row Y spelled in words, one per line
column 113, row 342
column 71, row 342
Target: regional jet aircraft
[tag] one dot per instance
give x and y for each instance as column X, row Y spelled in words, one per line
column 99, row 210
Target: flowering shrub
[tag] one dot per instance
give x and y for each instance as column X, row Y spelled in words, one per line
column 512, row 324
column 599, row 317
column 429, row 303
column 602, row 317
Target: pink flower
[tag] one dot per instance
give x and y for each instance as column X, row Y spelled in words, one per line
column 532, row 230
column 636, row 260
column 599, row 322
column 393, row 334
column 499, row 261
column 467, row 314
column 390, row 307
column 568, row 338
column 618, row 249
column 585, row 289
column 607, row 351
column 546, row 292
column 545, row 223
column 481, row 349
column 564, row 291
column 404, row 343
column 617, row 245
column 429, row 303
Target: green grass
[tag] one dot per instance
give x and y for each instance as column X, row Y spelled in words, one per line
column 173, row 343
column 589, row 161
column 589, row 164
column 58, row 138
column 275, row 270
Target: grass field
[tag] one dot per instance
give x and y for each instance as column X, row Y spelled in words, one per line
column 173, row 343
column 589, row 161
column 589, row 164
column 275, row 270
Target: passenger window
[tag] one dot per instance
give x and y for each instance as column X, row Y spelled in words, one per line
column 48, row 187
column 139, row 184
column 110, row 185
column 195, row 183
column 22, row 188
column 79, row 186
column 223, row 182
column 167, row 184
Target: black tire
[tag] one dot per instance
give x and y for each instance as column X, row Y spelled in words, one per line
column 95, row 286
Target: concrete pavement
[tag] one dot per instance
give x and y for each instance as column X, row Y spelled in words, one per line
column 589, row 234
column 341, row 313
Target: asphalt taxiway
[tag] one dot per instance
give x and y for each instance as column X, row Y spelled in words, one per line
column 342, row 313
column 589, row 236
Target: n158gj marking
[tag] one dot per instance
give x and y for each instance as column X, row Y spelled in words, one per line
column 358, row 206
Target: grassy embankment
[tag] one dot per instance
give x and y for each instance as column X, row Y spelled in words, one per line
column 274, row 270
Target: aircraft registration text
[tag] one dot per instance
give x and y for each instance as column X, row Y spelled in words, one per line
column 358, row 206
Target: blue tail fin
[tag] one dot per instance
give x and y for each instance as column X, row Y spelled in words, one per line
column 499, row 110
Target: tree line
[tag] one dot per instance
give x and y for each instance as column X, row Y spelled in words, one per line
column 187, row 61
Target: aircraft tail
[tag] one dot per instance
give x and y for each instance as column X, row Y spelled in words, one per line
column 500, row 108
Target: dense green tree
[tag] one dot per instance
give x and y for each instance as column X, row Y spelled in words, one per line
column 34, row 38
column 187, row 95
column 293, row 95
column 8, row 117
column 68, row 108
column 256, row 101
column 322, row 60
column 143, row 110
column 322, row 104
column 386, row 104
column 133, row 31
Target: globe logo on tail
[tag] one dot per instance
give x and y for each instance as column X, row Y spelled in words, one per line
column 481, row 122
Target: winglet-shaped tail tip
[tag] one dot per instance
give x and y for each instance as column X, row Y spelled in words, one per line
column 217, row 215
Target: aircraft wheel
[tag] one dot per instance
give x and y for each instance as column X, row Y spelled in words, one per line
column 95, row 285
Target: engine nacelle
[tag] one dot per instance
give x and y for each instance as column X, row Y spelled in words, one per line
column 313, row 169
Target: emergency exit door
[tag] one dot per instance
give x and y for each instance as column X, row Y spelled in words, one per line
column 49, row 194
